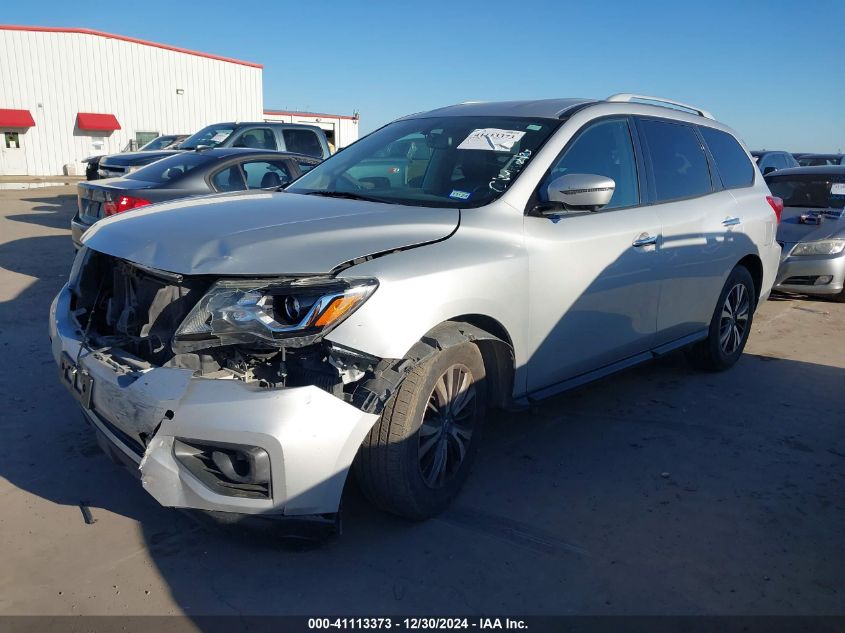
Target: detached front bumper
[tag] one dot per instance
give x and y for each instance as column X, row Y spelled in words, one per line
column 146, row 413
column 808, row 274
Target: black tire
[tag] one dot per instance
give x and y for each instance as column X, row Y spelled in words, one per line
column 712, row 353
column 840, row 298
column 392, row 469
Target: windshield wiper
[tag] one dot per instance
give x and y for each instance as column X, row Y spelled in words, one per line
column 348, row 195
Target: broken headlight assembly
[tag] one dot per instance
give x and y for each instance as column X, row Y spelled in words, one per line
column 275, row 313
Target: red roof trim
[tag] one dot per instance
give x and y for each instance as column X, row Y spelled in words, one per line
column 312, row 114
column 16, row 118
column 134, row 40
column 93, row 121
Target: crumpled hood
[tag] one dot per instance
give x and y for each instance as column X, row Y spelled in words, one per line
column 264, row 233
column 791, row 229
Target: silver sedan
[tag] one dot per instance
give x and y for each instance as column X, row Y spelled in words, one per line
column 812, row 230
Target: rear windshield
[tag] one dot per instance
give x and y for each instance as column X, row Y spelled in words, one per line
column 810, row 190
column 210, row 136
column 818, row 161
column 170, row 168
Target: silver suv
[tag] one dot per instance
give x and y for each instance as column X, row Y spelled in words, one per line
column 243, row 352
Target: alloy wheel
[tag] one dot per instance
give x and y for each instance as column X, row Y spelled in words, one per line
column 447, row 426
column 734, row 320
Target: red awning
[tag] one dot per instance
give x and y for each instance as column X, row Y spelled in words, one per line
column 97, row 122
column 16, row 118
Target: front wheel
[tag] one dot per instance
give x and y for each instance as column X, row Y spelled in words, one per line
column 417, row 456
column 730, row 324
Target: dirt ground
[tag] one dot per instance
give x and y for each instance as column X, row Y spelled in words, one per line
column 658, row 491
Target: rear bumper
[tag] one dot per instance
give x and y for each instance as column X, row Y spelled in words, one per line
column 77, row 230
column 796, row 275
column 311, row 437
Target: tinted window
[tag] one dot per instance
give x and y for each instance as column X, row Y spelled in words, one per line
column 603, row 149
column 302, row 142
column 263, row 174
column 258, row 138
column 733, row 165
column 229, row 179
column 677, row 160
column 809, row 191
column 169, row 168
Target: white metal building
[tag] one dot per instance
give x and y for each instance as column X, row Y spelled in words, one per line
column 68, row 93
column 341, row 130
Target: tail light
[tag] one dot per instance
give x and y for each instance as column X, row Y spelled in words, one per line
column 124, row 203
column 776, row 204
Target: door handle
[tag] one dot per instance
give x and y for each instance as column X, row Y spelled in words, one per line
column 731, row 221
column 644, row 240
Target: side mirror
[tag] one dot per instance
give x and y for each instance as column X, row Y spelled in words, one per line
column 769, row 170
column 581, row 192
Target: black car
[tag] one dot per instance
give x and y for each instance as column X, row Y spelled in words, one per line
column 821, row 160
column 769, row 161
column 185, row 174
column 166, row 141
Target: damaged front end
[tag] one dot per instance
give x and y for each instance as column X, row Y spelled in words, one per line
column 224, row 392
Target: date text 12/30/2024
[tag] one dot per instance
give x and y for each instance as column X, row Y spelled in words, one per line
column 413, row 624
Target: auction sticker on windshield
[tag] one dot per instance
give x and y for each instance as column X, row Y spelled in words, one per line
column 491, row 139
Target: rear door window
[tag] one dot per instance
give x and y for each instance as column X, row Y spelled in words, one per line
column 732, row 163
column 302, row 142
column 266, row 174
column 258, row 138
column 678, row 164
column 229, row 179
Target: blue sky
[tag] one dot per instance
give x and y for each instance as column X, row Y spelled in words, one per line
column 772, row 70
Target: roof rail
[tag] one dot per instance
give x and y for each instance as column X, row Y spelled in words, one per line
column 627, row 97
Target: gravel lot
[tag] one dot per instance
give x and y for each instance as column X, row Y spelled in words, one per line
column 659, row 491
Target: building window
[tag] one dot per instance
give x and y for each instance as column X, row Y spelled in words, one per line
column 13, row 140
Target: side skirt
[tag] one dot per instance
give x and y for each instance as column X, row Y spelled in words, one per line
column 607, row 370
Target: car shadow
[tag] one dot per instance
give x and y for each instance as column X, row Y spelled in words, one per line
column 663, row 490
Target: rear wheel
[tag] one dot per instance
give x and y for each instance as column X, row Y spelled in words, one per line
column 730, row 324
column 419, row 453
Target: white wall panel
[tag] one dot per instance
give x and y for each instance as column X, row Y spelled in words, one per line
column 55, row 75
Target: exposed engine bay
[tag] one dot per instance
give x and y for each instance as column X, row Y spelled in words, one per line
column 266, row 338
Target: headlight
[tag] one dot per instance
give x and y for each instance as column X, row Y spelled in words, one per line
column 822, row 247
column 129, row 170
column 293, row 312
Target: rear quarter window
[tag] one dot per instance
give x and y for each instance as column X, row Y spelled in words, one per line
column 732, row 163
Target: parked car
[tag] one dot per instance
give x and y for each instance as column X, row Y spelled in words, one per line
column 185, row 174
column 820, row 160
column 166, row 141
column 812, row 230
column 769, row 161
column 291, row 137
column 251, row 347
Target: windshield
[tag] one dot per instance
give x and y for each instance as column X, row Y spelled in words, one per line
column 437, row 162
column 157, row 143
column 210, row 136
column 810, row 190
column 170, row 168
